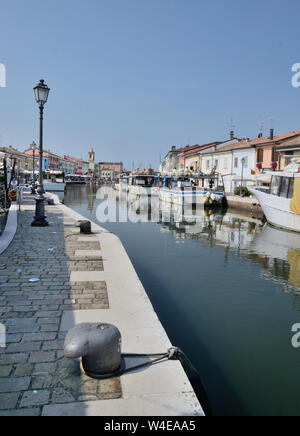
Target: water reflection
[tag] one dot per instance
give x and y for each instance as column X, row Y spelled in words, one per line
column 278, row 252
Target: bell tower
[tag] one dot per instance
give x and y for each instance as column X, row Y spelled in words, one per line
column 91, row 155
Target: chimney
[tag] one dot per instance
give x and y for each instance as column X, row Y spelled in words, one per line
column 231, row 135
column 271, row 134
column 174, row 147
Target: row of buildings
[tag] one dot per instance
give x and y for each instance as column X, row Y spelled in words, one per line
column 236, row 160
column 28, row 160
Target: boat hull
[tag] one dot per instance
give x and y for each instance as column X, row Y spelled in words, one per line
column 277, row 211
column 192, row 197
column 141, row 191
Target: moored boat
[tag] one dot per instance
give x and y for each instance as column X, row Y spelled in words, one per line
column 183, row 190
column 143, row 184
column 281, row 202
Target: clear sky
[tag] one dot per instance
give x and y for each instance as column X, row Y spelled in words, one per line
column 133, row 77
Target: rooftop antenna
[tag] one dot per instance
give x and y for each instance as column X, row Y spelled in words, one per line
column 261, row 128
column 231, row 123
column 231, row 126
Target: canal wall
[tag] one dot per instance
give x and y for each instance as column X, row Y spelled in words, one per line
column 160, row 390
column 249, row 204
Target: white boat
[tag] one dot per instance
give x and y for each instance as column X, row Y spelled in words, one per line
column 77, row 179
column 281, row 202
column 121, row 184
column 183, row 191
column 143, row 184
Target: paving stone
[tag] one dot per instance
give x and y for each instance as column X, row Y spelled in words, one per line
column 22, row 412
column 14, row 384
column 62, row 396
column 35, row 398
column 9, row 400
column 37, row 337
column 13, row 358
column 45, row 368
column 23, row 370
column 42, row 382
column 24, row 346
column 5, row 370
column 41, row 357
column 53, row 345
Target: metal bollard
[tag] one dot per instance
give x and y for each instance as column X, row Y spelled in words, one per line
column 99, row 346
column 85, row 227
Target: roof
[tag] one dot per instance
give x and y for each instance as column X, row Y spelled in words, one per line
column 197, row 148
column 256, row 142
column 10, row 150
column 190, row 149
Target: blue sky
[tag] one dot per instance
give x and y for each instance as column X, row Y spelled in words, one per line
column 133, row 77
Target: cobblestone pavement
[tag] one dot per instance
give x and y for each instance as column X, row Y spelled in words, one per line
column 33, row 370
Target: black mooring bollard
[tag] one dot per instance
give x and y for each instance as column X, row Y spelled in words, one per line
column 99, row 346
column 85, row 227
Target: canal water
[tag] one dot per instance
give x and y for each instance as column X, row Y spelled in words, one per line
column 226, row 288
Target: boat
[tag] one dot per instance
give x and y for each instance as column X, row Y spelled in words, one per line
column 186, row 190
column 143, row 184
column 281, row 202
column 77, row 179
column 121, row 184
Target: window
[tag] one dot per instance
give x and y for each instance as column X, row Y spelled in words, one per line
column 260, row 156
column 245, row 162
column 225, row 163
column 291, row 188
column 216, row 163
column 207, row 164
column 236, row 162
column 275, row 185
column 284, row 188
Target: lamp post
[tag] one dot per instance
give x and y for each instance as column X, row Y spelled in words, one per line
column 41, row 92
column 33, row 147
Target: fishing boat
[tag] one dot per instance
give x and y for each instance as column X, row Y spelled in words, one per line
column 143, row 184
column 281, row 201
column 121, row 184
column 197, row 190
column 77, row 179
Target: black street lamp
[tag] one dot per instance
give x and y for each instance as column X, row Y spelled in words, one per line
column 33, row 147
column 41, row 92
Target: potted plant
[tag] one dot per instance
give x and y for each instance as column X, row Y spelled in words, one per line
column 274, row 166
column 259, row 166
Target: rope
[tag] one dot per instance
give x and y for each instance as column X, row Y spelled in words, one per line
column 173, row 353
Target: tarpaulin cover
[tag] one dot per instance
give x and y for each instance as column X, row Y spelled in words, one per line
column 295, row 201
